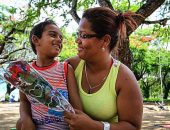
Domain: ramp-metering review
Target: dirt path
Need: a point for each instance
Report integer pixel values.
(9, 113)
(153, 118)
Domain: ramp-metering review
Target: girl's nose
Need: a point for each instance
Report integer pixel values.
(59, 38)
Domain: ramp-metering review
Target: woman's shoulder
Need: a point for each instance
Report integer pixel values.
(125, 76)
(73, 61)
(124, 70)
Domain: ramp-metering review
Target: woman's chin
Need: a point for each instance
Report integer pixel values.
(80, 55)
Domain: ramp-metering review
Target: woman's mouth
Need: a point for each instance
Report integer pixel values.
(80, 49)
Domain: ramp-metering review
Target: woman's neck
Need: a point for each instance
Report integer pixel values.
(99, 64)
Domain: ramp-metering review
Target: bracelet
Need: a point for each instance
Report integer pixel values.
(106, 125)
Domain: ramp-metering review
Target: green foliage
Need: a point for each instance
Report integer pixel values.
(163, 33)
(1, 38)
(149, 58)
(69, 47)
(144, 31)
(6, 11)
(167, 101)
(123, 5)
(6, 97)
(146, 67)
(85, 4)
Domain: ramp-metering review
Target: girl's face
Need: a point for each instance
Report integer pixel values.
(89, 45)
(50, 44)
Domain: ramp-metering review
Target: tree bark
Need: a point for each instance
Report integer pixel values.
(147, 9)
(73, 11)
(105, 3)
(166, 91)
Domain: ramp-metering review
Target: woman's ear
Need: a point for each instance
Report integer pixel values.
(35, 40)
(107, 40)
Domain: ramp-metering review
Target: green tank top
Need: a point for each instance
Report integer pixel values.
(100, 105)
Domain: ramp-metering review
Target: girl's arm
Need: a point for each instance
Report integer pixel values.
(25, 122)
(73, 92)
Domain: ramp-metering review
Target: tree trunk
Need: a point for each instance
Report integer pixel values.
(123, 53)
(146, 90)
(166, 91)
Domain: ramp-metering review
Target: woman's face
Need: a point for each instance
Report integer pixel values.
(89, 45)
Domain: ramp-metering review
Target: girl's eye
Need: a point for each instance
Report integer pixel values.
(52, 35)
(55, 35)
(61, 37)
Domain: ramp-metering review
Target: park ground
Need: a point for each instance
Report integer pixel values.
(154, 118)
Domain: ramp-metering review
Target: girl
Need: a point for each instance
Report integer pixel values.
(46, 43)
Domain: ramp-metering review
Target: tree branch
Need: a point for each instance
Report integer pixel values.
(146, 10)
(105, 3)
(128, 4)
(149, 7)
(7, 60)
(73, 11)
(7, 38)
(6, 56)
(2, 45)
(161, 21)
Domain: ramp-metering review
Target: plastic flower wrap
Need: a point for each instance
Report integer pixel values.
(21, 75)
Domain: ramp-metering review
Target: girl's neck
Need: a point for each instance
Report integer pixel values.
(44, 62)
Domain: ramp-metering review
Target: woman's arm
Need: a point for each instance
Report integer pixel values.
(73, 61)
(73, 92)
(129, 101)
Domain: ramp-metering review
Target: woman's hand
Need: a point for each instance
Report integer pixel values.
(81, 121)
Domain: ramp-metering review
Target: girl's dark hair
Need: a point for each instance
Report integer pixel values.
(38, 30)
(105, 21)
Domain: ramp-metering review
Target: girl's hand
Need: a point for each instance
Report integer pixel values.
(28, 124)
(80, 121)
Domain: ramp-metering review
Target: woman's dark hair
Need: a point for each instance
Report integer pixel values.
(38, 30)
(105, 21)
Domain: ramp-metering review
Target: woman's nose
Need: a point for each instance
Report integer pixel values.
(78, 41)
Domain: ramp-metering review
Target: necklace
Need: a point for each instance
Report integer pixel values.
(93, 87)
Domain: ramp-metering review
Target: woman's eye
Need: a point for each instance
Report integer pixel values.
(84, 36)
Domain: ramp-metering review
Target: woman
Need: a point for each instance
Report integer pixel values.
(108, 90)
